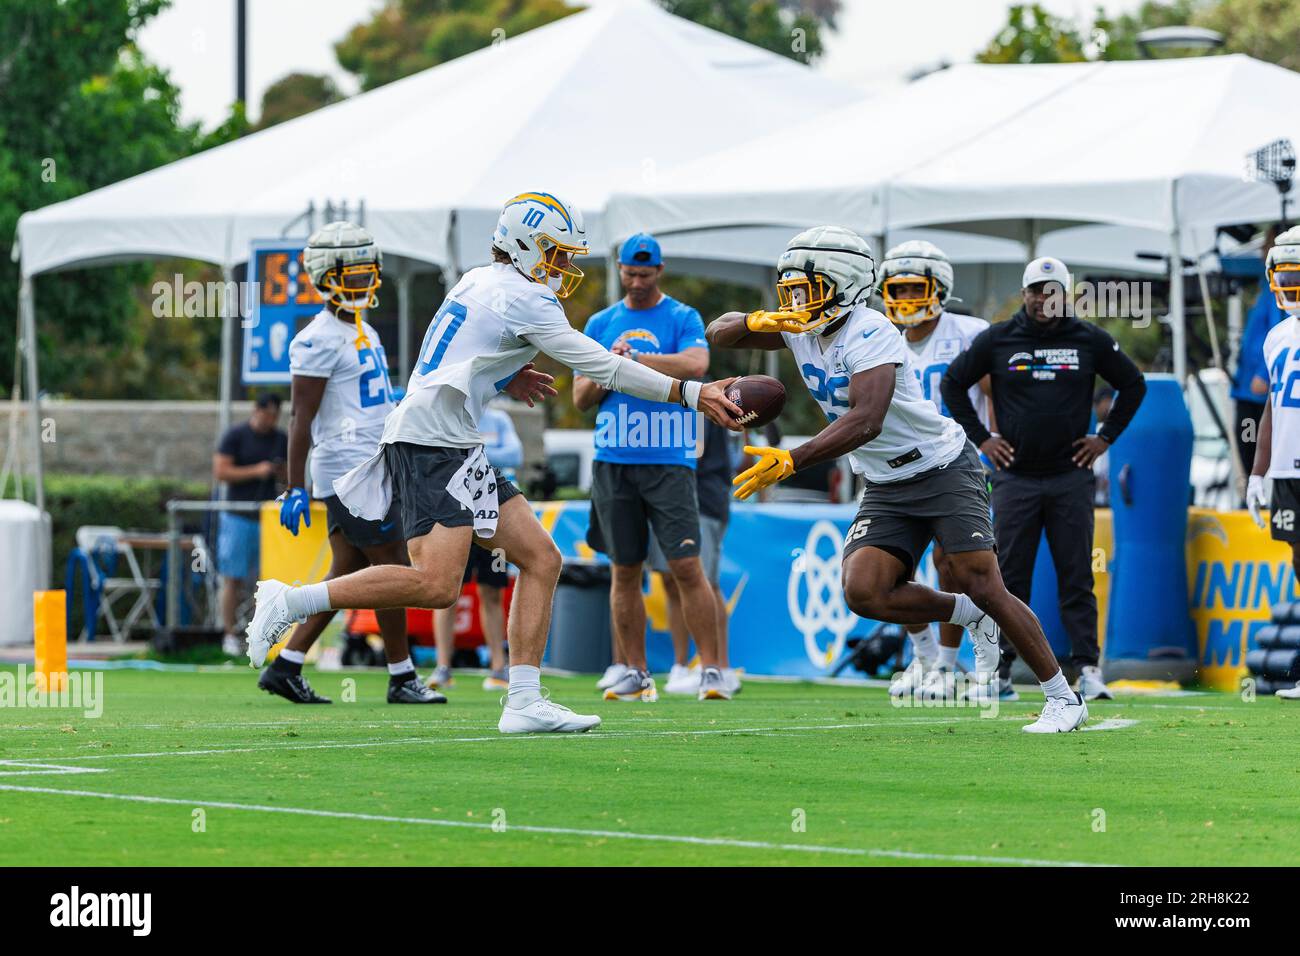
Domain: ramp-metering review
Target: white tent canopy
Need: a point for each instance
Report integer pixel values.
(599, 100)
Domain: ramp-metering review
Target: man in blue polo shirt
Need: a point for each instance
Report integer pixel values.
(643, 476)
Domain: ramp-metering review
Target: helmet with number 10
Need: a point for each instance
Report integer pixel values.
(541, 234)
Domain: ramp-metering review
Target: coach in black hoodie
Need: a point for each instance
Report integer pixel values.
(1042, 365)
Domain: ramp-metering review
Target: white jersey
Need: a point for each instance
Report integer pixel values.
(949, 338)
(494, 321)
(1282, 355)
(357, 398)
(914, 436)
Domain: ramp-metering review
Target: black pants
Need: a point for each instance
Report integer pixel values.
(1250, 412)
(1024, 506)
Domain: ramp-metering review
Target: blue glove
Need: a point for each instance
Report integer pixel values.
(295, 506)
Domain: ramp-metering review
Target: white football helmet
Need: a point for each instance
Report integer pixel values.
(1283, 267)
(541, 234)
(823, 273)
(345, 265)
(911, 264)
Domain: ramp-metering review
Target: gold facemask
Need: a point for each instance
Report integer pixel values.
(1284, 282)
(547, 270)
(814, 311)
(910, 309)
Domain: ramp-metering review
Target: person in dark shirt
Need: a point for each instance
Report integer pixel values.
(251, 459)
(1042, 364)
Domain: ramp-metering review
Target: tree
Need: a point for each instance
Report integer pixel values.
(1033, 35)
(79, 108)
(1265, 29)
(789, 27)
(296, 94)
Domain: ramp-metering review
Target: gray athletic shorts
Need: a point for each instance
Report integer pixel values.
(627, 501)
(948, 504)
(420, 474)
(360, 532)
(712, 531)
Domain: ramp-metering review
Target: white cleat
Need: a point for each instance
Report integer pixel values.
(1092, 686)
(1060, 715)
(984, 641)
(1288, 693)
(613, 674)
(271, 619)
(682, 680)
(731, 677)
(912, 678)
(544, 716)
(938, 684)
(712, 685)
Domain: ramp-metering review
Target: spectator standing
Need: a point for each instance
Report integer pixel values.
(643, 474)
(1043, 364)
(251, 460)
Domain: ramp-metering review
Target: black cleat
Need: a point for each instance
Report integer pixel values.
(412, 691)
(292, 687)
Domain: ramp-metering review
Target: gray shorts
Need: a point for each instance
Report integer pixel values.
(712, 531)
(360, 532)
(627, 501)
(948, 504)
(420, 474)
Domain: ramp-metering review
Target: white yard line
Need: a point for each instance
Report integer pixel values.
(562, 831)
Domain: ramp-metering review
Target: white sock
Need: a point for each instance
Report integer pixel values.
(293, 657)
(964, 611)
(401, 667)
(923, 643)
(948, 656)
(525, 685)
(1057, 686)
(307, 600)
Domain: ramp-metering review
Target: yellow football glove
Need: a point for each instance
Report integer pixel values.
(773, 465)
(776, 321)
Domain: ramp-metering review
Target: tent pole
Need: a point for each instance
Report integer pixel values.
(771, 360)
(613, 284)
(404, 325)
(228, 310)
(1177, 316)
(27, 312)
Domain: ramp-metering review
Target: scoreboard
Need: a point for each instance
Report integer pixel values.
(283, 298)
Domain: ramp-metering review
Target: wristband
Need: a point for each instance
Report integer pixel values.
(690, 394)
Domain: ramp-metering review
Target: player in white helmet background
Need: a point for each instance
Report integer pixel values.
(923, 478)
(916, 283)
(340, 397)
(431, 458)
(1278, 455)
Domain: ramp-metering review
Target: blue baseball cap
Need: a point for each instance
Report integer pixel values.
(641, 250)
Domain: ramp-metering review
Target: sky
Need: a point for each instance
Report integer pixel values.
(878, 44)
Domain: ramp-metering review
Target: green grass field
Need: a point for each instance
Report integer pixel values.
(1205, 779)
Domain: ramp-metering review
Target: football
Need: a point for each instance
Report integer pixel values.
(760, 397)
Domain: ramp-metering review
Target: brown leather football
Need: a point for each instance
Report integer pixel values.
(760, 397)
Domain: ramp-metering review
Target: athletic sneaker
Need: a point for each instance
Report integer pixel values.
(938, 684)
(271, 619)
(731, 677)
(613, 674)
(292, 687)
(1060, 715)
(1092, 686)
(411, 691)
(1288, 693)
(712, 686)
(682, 680)
(984, 640)
(544, 715)
(497, 680)
(232, 645)
(1002, 687)
(635, 685)
(912, 678)
(441, 679)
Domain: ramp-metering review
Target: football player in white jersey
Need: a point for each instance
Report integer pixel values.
(491, 324)
(916, 282)
(1278, 454)
(923, 478)
(341, 395)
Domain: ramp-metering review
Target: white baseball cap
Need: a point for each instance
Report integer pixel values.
(1045, 269)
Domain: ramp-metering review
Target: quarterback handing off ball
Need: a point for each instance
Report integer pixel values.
(761, 397)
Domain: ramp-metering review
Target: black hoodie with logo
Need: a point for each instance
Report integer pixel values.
(1042, 379)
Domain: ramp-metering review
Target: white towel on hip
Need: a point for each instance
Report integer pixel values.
(367, 490)
(475, 487)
